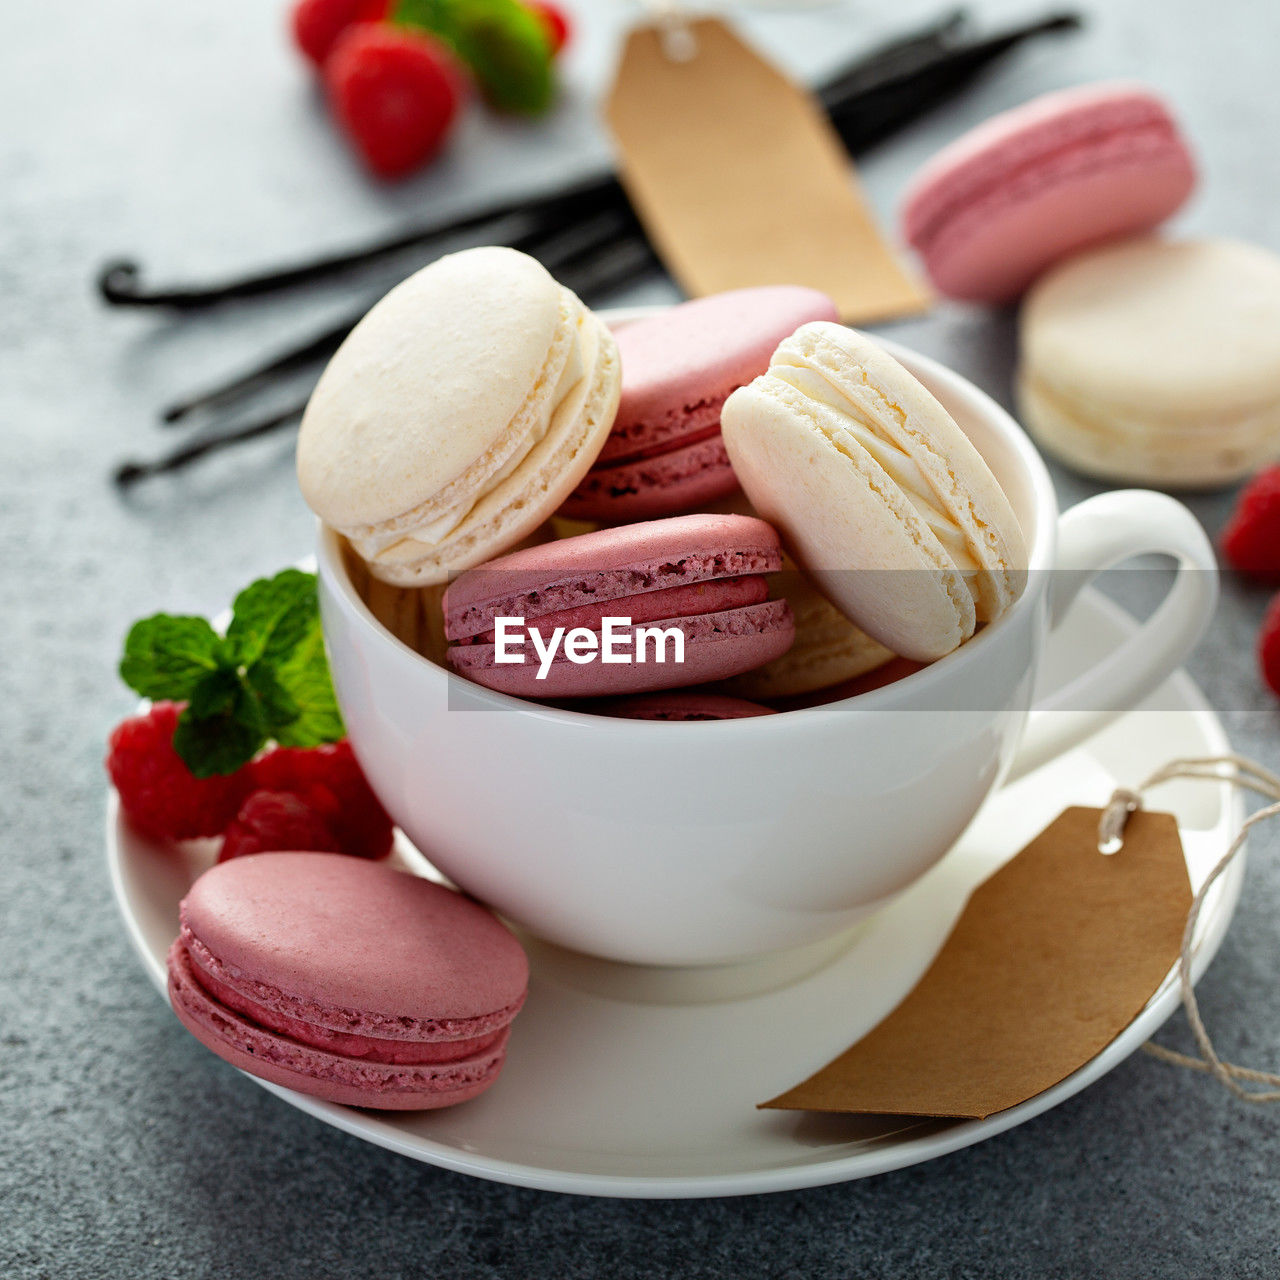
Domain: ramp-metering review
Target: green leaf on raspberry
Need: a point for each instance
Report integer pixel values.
(506, 47)
(271, 616)
(166, 655)
(215, 745)
(276, 705)
(267, 679)
(305, 676)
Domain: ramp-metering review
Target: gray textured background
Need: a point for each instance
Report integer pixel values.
(189, 135)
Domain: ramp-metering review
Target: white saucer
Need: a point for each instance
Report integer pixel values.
(634, 1082)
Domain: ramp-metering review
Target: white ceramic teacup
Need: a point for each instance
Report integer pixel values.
(702, 843)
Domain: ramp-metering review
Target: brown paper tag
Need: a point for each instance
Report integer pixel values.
(1052, 958)
(740, 179)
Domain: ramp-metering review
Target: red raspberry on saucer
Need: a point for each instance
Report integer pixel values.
(159, 794)
(277, 822)
(556, 22)
(330, 781)
(1269, 646)
(395, 93)
(318, 24)
(1251, 540)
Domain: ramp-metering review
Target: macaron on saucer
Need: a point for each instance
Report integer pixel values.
(346, 980)
(457, 416)
(1156, 361)
(1026, 188)
(664, 454)
(701, 574)
(878, 493)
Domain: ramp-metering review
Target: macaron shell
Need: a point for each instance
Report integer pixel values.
(998, 248)
(370, 448)
(1156, 361)
(681, 479)
(621, 561)
(514, 507)
(357, 946)
(1123, 452)
(716, 645)
(858, 537)
(352, 1082)
(677, 369)
(1001, 204)
(878, 493)
(700, 351)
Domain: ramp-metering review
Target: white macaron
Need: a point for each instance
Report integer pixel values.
(877, 492)
(458, 415)
(1156, 361)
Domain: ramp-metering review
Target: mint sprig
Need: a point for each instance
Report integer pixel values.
(266, 680)
(505, 46)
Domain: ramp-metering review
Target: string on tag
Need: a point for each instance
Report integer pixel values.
(679, 44)
(1236, 771)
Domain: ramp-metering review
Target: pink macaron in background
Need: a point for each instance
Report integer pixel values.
(700, 574)
(346, 979)
(664, 454)
(1000, 205)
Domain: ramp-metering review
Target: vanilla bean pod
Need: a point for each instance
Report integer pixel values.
(591, 274)
(120, 282)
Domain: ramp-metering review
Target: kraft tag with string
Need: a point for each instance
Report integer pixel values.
(739, 178)
(1052, 958)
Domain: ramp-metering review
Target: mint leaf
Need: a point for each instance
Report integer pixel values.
(271, 616)
(505, 46)
(268, 679)
(305, 676)
(275, 705)
(166, 655)
(216, 744)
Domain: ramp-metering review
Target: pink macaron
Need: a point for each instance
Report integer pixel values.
(700, 575)
(664, 454)
(346, 979)
(1000, 205)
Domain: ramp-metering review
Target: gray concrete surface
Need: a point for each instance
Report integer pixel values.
(188, 135)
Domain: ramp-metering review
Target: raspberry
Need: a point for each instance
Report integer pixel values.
(277, 822)
(159, 794)
(1269, 646)
(556, 22)
(318, 24)
(329, 779)
(1251, 540)
(395, 93)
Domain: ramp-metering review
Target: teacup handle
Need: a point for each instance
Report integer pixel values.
(1095, 535)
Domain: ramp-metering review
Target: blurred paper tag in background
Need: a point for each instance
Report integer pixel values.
(740, 179)
(1052, 958)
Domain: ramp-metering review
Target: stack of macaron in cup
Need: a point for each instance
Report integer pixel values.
(724, 506)
(1144, 358)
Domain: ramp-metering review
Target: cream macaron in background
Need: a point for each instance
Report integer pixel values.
(1156, 362)
(458, 415)
(877, 492)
